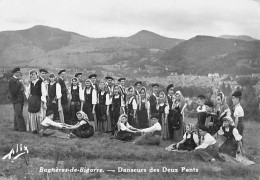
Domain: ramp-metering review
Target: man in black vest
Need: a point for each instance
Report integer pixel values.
(43, 77)
(16, 88)
(93, 78)
(64, 97)
(153, 100)
(79, 77)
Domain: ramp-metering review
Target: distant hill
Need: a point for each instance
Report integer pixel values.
(149, 40)
(144, 53)
(52, 47)
(205, 54)
(241, 37)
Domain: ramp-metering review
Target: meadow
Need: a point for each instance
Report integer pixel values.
(101, 152)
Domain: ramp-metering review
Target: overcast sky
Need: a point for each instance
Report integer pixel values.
(102, 18)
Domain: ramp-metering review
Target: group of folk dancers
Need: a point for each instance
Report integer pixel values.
(124, 112)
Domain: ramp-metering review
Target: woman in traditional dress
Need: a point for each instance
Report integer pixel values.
(189, 142)
(103, 108)
(171, 99)
(36, 94)
(89, 101)
(163, 109)
(125, 131)
(238, 112)
(233, 141)
(131, 106)
(222, 107)
(117, 106)
(75, 93)
(54, 96)
(83, 129)
(208, 150)
(178, 125)
(143, 109)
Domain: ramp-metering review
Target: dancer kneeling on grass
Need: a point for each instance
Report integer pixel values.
(125, 131)
(208, 150)
(48, 127)
(83, 129)
(189, 142)
(151, 135)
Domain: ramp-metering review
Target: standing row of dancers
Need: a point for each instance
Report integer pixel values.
(103, 103)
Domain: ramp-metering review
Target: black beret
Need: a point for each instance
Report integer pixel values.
(120, 79)
(43, 70)
(209, 103)
(138, 82)
(169, 87)
(50, 112)
(16, 70)
(201, 97)
(61, 71)
(204, 128)
(237, 94)
(74, 78)
(51, 75)
(155, 116)
(92, 75)
(155, 84)
(108, 77)
(78, 74)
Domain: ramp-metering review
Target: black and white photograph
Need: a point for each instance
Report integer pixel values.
(129, 89)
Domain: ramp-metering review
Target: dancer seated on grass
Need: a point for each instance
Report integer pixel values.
(125, 131)
(83, 128)
(48, 127)
(189, 142)
(232, 149)
(151, 135)
(208, 150)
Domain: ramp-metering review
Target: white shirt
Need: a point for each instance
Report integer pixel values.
(156, 127)
(133, 102)
(58, 90)
(195, 137)
(235, 132)
(238, 112)
(208, 140)
(124, 127)
(48, 122)
(201, 109)
(94, 95)
(43, 90)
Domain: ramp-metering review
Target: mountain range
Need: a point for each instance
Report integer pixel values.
(144, 52)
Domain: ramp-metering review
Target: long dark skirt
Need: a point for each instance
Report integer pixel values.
(54, 107)
(87, 108)
(84, 131)
(170, 125)
(115, 116)
(74, 108)
(102, 118)
(240, 127)
(131, 119)
(178, 133)
(125, 136)
(229, 147)
(187, 146)
(142, 119)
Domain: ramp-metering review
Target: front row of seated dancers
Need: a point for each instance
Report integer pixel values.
(200, 141)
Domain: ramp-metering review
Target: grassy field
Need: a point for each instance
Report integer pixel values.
(100, 152)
